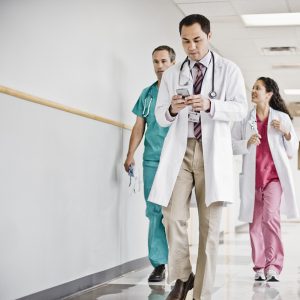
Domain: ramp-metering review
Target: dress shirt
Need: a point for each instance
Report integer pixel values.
(204, 61)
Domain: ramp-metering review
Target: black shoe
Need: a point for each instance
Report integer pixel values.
(181, 288)
(158, 274)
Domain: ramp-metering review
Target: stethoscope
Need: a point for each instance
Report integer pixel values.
(147, 104)
(212, 94)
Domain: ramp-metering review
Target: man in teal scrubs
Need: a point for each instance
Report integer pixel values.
(162, 57)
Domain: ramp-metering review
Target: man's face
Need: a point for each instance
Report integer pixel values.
(194, 41)
(161, 62)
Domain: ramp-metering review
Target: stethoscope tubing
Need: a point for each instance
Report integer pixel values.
(212, 94)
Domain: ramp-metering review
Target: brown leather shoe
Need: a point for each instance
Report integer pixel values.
(181, 288)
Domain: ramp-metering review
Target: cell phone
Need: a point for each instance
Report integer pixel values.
(183, 92)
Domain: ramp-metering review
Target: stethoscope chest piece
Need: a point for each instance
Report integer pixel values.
(212, 94)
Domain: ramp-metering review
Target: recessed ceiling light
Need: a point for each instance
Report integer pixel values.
(292, 91)
(284, 19)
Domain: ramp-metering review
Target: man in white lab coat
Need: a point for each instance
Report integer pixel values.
(197, 152)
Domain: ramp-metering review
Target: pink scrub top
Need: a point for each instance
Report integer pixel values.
(265, 168)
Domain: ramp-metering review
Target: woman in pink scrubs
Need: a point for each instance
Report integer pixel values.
(267, 140)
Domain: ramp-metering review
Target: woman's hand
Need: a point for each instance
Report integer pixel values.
(276, 124)
(254, 140)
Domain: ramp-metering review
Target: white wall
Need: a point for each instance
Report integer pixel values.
(65, 208)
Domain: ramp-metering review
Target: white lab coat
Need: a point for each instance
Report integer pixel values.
(230, 105)
(281, 151)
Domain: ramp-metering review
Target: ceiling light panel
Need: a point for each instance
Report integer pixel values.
(283, 19)
(292, 92)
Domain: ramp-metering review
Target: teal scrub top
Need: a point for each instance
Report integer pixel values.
(155, 134)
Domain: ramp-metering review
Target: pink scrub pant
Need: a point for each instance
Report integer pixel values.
(265, 231)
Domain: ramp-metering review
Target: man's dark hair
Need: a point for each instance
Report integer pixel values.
(195, 18)
(167, 48)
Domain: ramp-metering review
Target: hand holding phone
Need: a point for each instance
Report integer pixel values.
(183, 92)
(178, 101)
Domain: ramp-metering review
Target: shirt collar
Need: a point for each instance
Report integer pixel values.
(204, 60)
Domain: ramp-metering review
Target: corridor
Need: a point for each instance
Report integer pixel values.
(234, 279)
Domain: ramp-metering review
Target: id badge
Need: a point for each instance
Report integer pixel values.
(194, 116)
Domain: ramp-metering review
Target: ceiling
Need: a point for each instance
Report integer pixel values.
(243, 45)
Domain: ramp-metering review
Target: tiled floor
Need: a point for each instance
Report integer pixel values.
(234, 280)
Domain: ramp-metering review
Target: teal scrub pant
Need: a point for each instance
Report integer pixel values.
(157, 241)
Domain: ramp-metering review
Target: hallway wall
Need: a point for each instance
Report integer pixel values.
(65, 207)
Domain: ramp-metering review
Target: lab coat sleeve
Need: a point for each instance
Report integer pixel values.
(234, 107)
(291, 146)
(239, 143)
(163, 103)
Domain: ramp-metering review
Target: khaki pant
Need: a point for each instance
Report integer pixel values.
(191, 175)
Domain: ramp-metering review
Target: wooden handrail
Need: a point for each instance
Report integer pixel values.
(55, 105)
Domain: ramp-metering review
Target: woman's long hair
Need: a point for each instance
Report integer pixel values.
(276, 102)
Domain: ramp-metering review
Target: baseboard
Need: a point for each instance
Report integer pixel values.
(75, 286)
